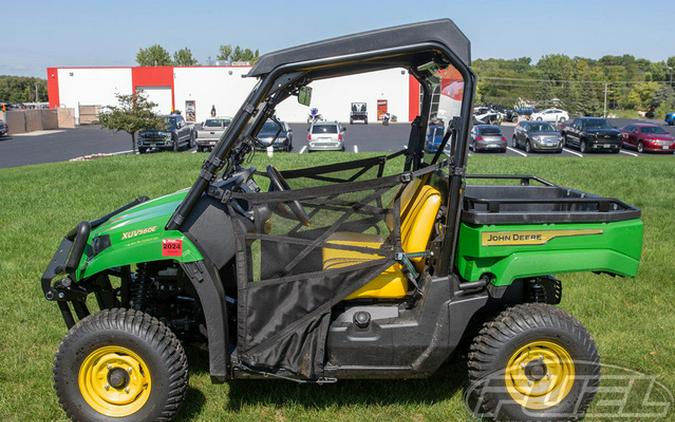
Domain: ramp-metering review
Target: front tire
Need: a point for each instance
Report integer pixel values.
(583, 147)
(640, 147)
(120, 365)
(533, 362)
(528, 146)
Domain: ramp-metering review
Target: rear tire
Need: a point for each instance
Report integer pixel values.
(143, 364)
(533, 346)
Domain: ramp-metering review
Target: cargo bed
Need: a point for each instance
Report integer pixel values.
(541, 202)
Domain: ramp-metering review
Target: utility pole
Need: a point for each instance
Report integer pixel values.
(36, 93)
(604, 104)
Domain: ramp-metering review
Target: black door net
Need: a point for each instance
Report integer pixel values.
(291, 274)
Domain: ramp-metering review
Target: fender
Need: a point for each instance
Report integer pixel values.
(212, 297)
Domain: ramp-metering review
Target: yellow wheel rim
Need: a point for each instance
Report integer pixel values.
(114, 381)
(539, 375)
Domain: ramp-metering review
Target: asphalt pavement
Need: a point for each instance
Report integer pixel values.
(62, 145)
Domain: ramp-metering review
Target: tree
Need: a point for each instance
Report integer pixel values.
(21, 89)
(237, 54)
(155, 55)
(224, 53)
(134, 113)
(183, 57)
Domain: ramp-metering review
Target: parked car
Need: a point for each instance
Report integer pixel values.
(647, 137)
(592, 134)
(175, 135)
(487, 138)
(358, 112)
(670, 118)
(511, 115)
(525, 113)
(487, 115)
(435, 133)
(210, 132)
(550, 115)
(279, 138)
(537, 136)
(325, 136)
(3, 128)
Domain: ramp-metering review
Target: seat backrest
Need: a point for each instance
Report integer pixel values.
(419, 220)
(419, 207)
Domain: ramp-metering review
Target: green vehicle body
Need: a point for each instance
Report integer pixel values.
(137, 235)
(614, 249)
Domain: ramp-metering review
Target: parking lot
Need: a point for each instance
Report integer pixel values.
(62, 145)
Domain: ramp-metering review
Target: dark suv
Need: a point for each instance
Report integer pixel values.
(592, 134)
(175, 135)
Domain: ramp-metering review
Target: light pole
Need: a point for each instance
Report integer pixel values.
(670, 71)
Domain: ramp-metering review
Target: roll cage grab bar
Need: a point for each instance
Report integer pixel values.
(281, 82)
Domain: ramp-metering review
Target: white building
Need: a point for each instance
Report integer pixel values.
(195, 90)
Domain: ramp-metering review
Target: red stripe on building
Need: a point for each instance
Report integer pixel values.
(155, 76)
(53, 87)
(413, 98)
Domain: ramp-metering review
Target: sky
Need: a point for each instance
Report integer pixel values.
(44, 33)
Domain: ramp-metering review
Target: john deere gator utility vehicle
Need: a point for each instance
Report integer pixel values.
(346, 270)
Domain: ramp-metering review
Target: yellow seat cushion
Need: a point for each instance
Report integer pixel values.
(391, 284)
(419, 206)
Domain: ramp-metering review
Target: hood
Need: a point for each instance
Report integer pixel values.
(137, 235)
(155, 132)
(546, 133)
(603, 131)
(657, 136)
(147, 217)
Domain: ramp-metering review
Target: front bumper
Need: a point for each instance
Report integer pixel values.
(604, 145)
(545, 145)
(58, 280)
(155, 143)
(667, 148)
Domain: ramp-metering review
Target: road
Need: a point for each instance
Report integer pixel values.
(53, 146)
(62, 145)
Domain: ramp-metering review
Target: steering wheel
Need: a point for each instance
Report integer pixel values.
(280, 184)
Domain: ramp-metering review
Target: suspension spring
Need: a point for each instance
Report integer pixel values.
(140, 292)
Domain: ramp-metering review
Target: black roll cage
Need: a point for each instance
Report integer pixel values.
(284, 81)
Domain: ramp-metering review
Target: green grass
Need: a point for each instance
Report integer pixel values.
(631, 319)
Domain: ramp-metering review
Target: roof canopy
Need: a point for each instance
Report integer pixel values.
(443, 32)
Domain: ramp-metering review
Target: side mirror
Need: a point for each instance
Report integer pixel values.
(305, 95)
